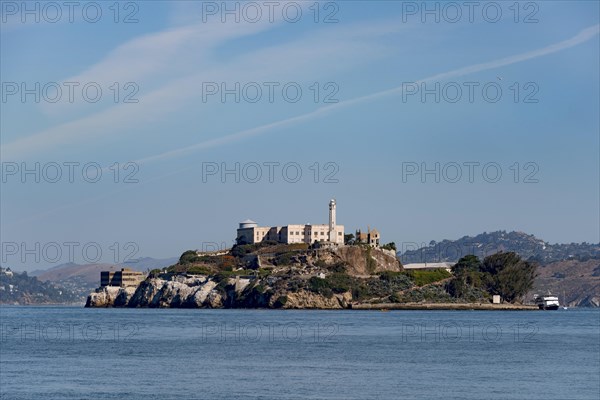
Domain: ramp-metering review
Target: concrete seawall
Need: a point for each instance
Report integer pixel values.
(442, 306)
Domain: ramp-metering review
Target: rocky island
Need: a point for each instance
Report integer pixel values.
(299, 276)
(314, 266)
(262, 276)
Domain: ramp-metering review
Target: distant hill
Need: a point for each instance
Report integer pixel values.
(22, 289)
(527, 246)
(82, 278)
(142, 264)
(576, 283)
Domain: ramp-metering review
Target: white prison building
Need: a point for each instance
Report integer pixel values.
(249, 232)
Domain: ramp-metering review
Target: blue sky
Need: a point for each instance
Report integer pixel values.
(544, 125)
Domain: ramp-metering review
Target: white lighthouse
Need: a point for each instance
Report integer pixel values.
(332, 236)
(249, 232)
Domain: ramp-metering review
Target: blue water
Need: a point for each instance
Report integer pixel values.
(77, 353)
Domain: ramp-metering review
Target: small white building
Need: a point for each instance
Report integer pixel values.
(444, 265)
(249, 232)
(7, 272)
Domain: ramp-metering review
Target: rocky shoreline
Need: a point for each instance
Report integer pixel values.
(205, 292)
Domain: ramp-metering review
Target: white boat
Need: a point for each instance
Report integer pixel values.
(547, 302)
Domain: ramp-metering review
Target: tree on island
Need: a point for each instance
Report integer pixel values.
(389, 246)
(508, 275)
(505, 274)
(467, 276)
(349, 239)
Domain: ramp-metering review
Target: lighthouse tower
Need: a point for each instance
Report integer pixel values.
(332, 237)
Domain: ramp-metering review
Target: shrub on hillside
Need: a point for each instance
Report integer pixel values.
(426, 277)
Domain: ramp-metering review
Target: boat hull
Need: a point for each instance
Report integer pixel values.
(548, 307)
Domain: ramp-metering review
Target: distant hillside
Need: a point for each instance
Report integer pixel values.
(527, 246)
(145, 263)
(576, 283)
(21, 289)
(83, 278)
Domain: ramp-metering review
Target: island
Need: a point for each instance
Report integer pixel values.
(317, 267)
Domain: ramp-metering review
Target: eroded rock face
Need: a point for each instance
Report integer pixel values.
(198, 298)
(356, 259)
(146, 292)
(172, 294)
(589, 301)
(103, 297)
(214, 300)
(124, 296)
(304, 299)
(198, 291)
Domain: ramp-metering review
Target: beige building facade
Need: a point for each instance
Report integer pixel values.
(123, 278)
(372, 237)
(249, 232)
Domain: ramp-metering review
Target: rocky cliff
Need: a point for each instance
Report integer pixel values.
(283, 277)
(204, 292)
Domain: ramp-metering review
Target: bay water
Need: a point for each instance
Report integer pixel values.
(79, 353)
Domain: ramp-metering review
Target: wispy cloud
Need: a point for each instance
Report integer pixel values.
(166, 99)
(348, 48)
(581, 37)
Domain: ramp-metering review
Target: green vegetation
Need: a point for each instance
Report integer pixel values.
(395, 277)
(349, 239)
(240, 250)
(297, 246)
(188, 257)
(505, 274)
(232, 274)
(508, 275)
(264, 272)
(471, 279)
(337, 283)
(320, 286)
(198, 270)
(430, 294)
(361, 289)
(284, 258)
(389, 246)
(426, 277)
(340, 266)
(280, 302)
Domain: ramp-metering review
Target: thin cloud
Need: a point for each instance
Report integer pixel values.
(581, 37)
(183, 87)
